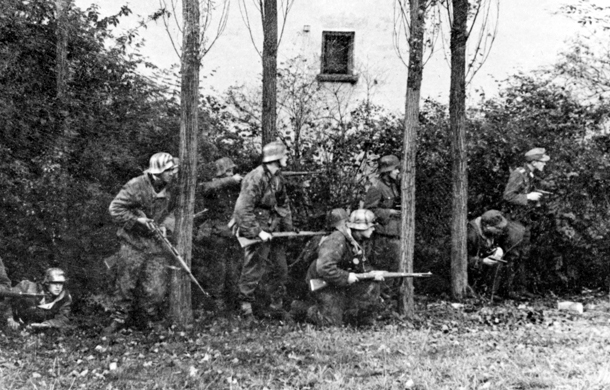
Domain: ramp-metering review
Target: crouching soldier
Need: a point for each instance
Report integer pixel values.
(345, 299)
(496, 249)
(50, 310)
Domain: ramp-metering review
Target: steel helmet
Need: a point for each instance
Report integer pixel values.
(54, 275)
(223, 165)
(388, 163)
(537, 154)
(361, 219)
(335, 217)
(493, 218)
(160, 162)
(273, 151)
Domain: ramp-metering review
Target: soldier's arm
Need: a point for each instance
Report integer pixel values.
(329, 255)
(61, 317)
(251, 192)
(513, 193)
(125, 208)
(371, 202)
(209, 187)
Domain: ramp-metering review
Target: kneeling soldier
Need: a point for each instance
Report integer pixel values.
(51, 310)
(346, 300)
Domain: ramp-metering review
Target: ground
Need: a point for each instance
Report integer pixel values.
(468, 345)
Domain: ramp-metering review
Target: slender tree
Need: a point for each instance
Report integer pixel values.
(457, 117)
(180, 293)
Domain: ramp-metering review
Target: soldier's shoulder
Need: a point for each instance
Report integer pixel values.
(255, 174)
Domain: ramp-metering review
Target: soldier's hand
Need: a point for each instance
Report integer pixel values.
(534, 196)
(14, 325)
(264, 236)
(378, 276)
(149, 223)
(42, 325)
(352, 278)
(489, 261)
(237, 177)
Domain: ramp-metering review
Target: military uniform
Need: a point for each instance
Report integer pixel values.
(341, 303)
(263, 204)
(514, 240)
(5, 285)
(142, 276)
(515, 194)
(52, 311)
(221, 253)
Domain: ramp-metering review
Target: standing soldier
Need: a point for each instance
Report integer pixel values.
(142, 276)
(518, 192)
(52, 310)
(383, 199)
(221, 252)
(491, 237)
(346, 299)
(263, 207)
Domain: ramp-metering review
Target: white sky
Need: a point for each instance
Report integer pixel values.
(530, 35)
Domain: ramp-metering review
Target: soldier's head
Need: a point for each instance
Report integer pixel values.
(493, 223)
(537, 158)
(54, 279)
(336, 218)
(362, 223)
(224, 167)
(163, 167)
(389, 165)
(275, 152)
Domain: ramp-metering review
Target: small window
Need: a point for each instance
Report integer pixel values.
(337, 57)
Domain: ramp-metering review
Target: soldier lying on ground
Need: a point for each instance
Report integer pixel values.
(497, 247)
(347, 300)
(51, 310)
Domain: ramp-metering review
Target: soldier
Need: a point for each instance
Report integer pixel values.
(263, 207)
(50, 311)
(518, 192)
(221, 252)
(346, 300)
(383, 199)
(5, 285)
(491, 236)
(142, 263)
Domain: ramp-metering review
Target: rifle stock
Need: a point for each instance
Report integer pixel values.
(244, 242)
(18, 294)
(318, 284)
(168, 245)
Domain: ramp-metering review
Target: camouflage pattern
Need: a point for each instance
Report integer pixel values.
(53, 311)
(519, 184)
(141, 270)
(341, 303)
(220, 259)
(263, 204)
(499, 278)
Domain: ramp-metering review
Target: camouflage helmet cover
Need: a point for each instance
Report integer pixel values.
(361, 219)
(54, 275)
(493, 218)
(223, 165)
(388, 163)
(336, 217)
(273, 151)
(160, 162)
(537, 154)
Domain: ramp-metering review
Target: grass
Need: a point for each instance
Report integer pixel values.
(472, 346)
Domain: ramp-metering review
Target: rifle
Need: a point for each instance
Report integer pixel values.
(168, 245)
(244, 242)
(18, 294)
(300, 173)
(318, 284)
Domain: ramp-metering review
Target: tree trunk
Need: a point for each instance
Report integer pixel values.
(411, 125)
(269, 71)
(61, 47)
(180, 289)
(457, 117)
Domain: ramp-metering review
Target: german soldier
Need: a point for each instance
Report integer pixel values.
(52, 310)
(263, 207)
(215, 237)
(492, 237)
(142, 263)
(346, 300)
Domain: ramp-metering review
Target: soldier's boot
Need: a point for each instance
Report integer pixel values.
(298, 310)
(247, 315)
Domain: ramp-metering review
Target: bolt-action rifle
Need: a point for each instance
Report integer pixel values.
(244, 242)
(18, 294)
(168, 246)
(301, 173)
(318, 284)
